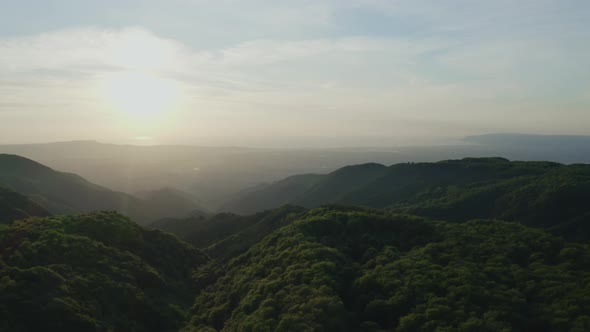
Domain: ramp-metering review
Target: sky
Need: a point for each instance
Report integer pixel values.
(235, 71)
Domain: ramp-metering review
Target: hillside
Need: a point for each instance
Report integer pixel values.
(272, 196)
(329, 269)
(96, 272)
(556, 201)
(363, 270)
(14, 206)
(176, 201)
(422, 254)
(460, 190)
(65, 193)
(310, 190)
(225, 235)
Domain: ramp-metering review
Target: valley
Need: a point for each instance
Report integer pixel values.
(364, 248)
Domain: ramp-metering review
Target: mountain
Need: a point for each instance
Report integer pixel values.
(14, 206)
(334, 187)
(173, 200)
(570, 142)
(225, 235)
(95, 272)
(376, 261)
(214, 175)
(211, 174)
(471, 188)
(415, 250)
(65, 193)
(555, 200)
(562, 148)
(310, 190)
(271, 196)
(341, 269)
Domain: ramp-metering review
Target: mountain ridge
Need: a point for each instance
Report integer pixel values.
(67, 193)
(448, 190)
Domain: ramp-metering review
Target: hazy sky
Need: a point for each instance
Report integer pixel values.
(174, 71)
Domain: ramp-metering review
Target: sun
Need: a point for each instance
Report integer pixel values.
(139, 95)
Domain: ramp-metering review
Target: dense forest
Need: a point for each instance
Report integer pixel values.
(461, 245)
(96, 272)
(454, 190)
(356, 270)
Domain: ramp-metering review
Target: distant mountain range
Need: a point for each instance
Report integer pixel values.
(65, 193)
(559, 148)
(212, 176)
(531, 140)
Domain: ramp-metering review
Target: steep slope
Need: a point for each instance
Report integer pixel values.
(14, 206)
(202, 232)
(333, 187)
(64, 193)
(96, 272)
(310, 190)
(556, 201)
(249, 236)
(272, 196)
(225, 235)
(172, 200)
(362, 270)
(411, 182)
(541, 194)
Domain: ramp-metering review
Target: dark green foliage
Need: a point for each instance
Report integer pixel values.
(543, 194)
(248, 236)
(338, 269)
(201, 231)
(228, 234)
(379, 186)
(310, 190)
(341, 182)
(96, 272)
(64, 193)
(335, 268)
(556, 200)
(14, 206)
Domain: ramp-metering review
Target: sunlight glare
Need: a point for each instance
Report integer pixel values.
(139, 95)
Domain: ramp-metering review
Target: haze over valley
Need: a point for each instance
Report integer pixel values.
(213, 175)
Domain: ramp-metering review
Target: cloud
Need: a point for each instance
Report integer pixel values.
(81, 54)
(267, 65)
(88, 49)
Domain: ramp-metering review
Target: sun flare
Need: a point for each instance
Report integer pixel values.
(139, 95)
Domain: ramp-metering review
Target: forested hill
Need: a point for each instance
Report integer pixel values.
(14, 206)
(340, 269)
(65, 193)
(327, 269)
(459, 190)
(310, 190)
(426, 261)
(227, 234)
(96, 272)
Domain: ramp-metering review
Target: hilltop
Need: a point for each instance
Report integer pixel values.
(460, 190)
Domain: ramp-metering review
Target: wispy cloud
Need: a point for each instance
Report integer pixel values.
(267, 65)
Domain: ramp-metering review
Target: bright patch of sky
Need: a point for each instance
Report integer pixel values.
(183, 69)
